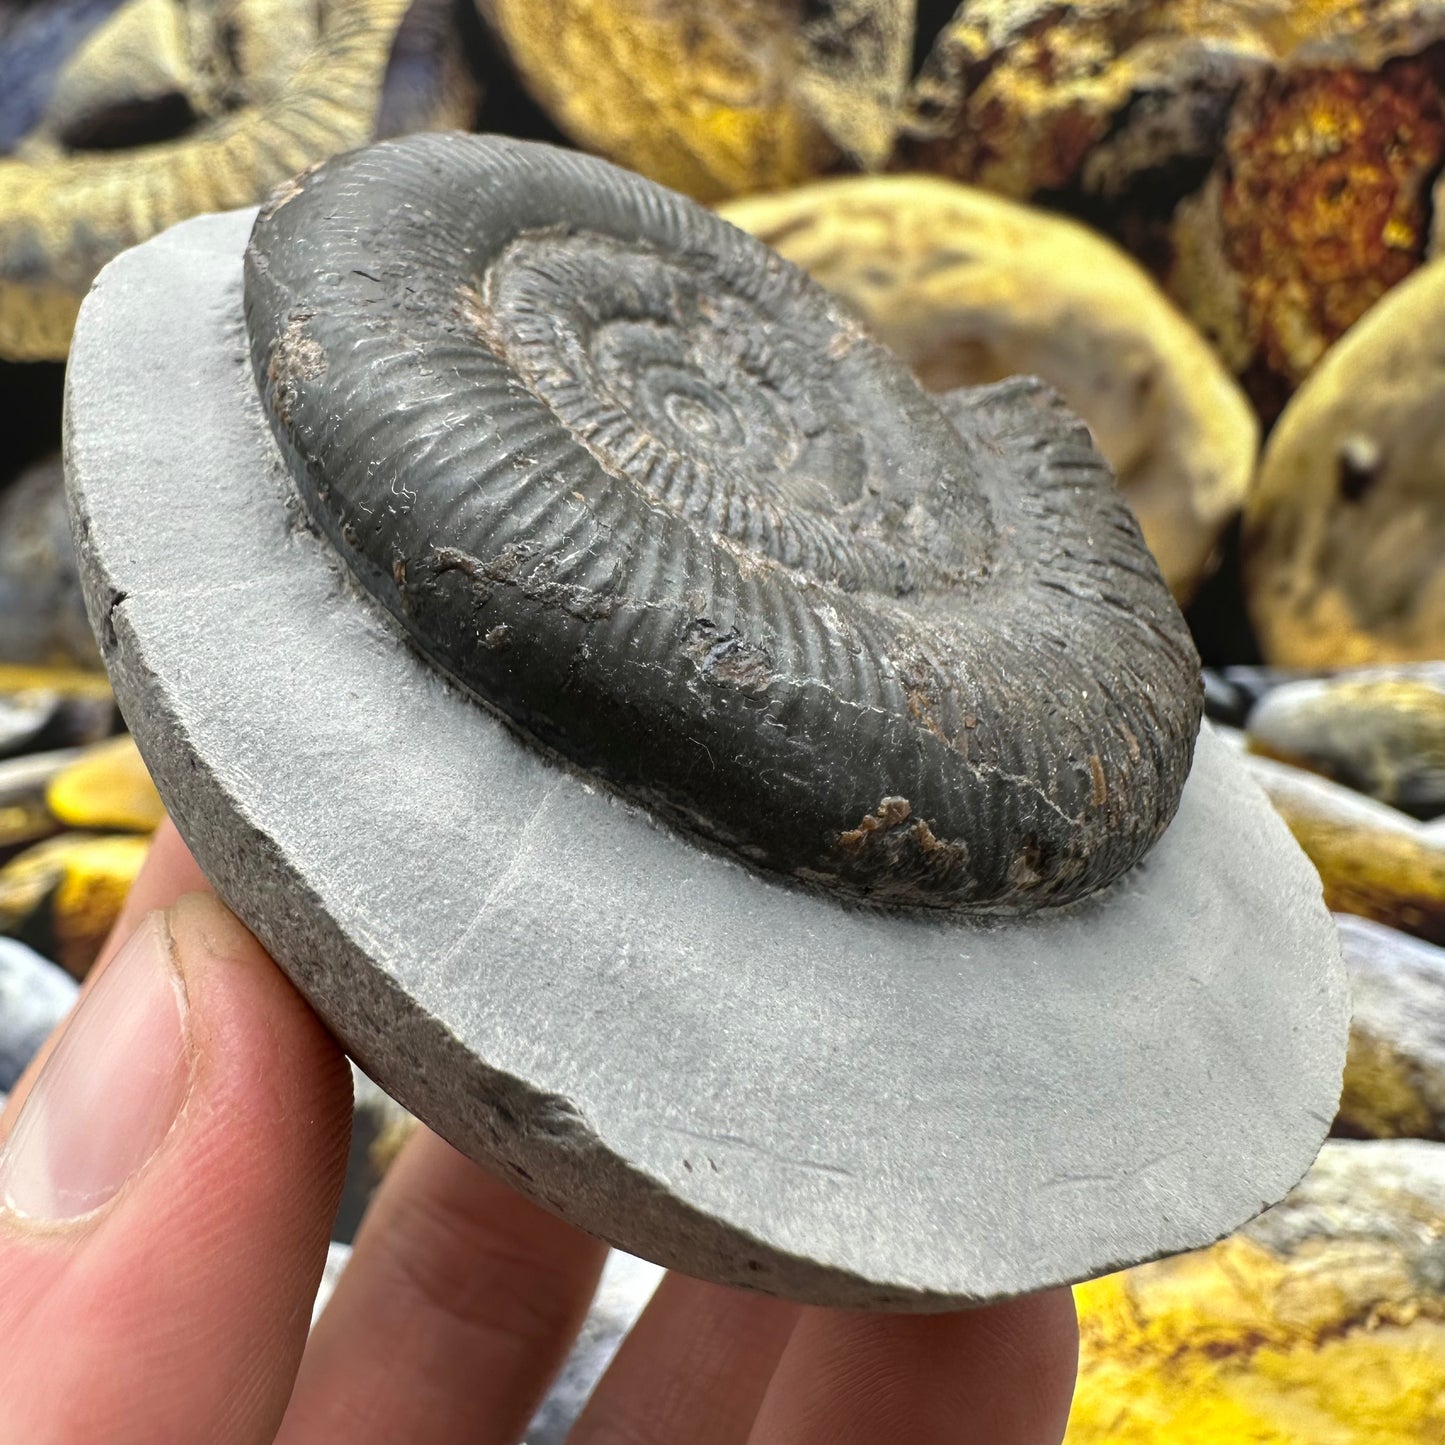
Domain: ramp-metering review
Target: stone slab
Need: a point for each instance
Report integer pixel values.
(704, 1066)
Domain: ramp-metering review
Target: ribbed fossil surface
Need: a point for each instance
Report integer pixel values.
(648, 491)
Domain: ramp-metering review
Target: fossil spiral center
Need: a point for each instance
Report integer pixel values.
(674, 375)
(686, 395)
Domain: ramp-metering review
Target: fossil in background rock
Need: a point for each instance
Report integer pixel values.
(970, 288)
(164, 110)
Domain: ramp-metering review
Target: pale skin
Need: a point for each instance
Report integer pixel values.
(177, 1310)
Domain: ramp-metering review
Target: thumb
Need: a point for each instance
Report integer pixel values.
(166, 1194)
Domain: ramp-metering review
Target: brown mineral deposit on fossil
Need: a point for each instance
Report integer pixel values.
(1322, 1321)
(1395, 1074)
(166, 110)
(970, 288)
(1344, 531)
(1271, 160)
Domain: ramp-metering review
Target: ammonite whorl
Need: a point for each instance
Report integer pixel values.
(648, 491)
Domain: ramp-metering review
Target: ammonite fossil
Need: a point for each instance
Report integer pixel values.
(120, 117)
(645, 489)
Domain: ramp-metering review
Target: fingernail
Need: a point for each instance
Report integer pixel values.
(109, 1092)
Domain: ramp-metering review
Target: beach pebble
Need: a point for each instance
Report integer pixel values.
(1344, 531)
(107, 789)
(63, 895)
(1321, 1323)
(1395, 1074)
(1373, 860)
(1379, 732)
(34, 996)
(42, 612)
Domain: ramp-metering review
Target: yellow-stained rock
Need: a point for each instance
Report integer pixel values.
(63, 895)
(1321, 1323)
(1373, 860)
(252, 90)
(25, 817)
(1395, 1074)
(1379, 732)
(706, 96)
(23, 823)
(65, 681)
(970, 288)
(108, 788)
(1344, 531)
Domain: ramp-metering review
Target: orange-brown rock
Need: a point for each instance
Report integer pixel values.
(1273, 159)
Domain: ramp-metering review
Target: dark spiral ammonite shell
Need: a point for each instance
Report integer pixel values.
(648, 491)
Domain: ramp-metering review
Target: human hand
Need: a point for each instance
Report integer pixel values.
(167, 1186)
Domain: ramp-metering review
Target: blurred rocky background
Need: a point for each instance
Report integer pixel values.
(1212, 224)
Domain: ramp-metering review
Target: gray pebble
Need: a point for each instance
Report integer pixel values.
(35, 995)
(338, 1256)
(626, 1286)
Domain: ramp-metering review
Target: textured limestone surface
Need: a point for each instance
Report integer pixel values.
(702, 1065)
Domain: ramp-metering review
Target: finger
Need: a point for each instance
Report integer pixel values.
(1003, 1375)
(459, 1287)
(168, 873)
(695, 1367)
(167, 1191)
